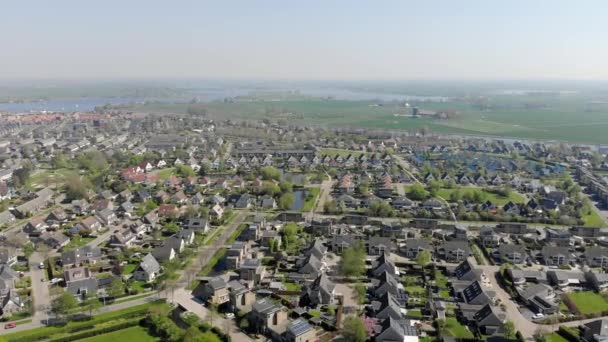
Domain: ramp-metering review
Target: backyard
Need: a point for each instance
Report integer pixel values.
(455, 329)
(588, 302)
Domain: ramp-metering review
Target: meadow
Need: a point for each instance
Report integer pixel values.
(570, 118)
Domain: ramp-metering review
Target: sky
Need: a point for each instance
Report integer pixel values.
(309, 39)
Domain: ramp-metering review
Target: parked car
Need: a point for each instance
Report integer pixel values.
(538, 316)
(41, 266)
(10, 325)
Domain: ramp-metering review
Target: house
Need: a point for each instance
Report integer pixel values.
(35, 226)
(91, 223)
(556, 256)
(311, 266)
(539, 297)
(566, 278)
(213, 291)
(124, 239)
(147, 270)
(490, 320)
(106, 216)
(241, 297)
(377, 245)
(252, 270)
(187, 235)
(415, 246)
(167, 210)
(474, 294)
(6, 217)
(432, 204)
(300, 330)
(8, 256)
(488, 237)
(596, 256)
(397, 330)
(383, 264)
(56, 217)
(268, 318)
(82, 255)
(268, 202)
(400, 203)
(164, 253)
(80, 207)
(54, 239)
(320, 292)
(595, 331)
(558, 237)
(454, 251)
(216, 212)
(513, 254)
(80, 282)
(197, 224)
(387, 307)
(585, 232)
(341, 242)
(126, 209)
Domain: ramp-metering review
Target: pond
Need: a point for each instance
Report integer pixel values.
(299, 199)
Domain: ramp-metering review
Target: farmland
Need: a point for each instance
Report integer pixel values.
(571, 118)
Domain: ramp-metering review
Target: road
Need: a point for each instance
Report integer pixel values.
(324, 195)
(407, 167)
(40, 287)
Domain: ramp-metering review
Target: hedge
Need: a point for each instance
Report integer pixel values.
(95, 332)
(567, 334)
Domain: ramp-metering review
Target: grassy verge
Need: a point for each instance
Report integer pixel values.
(593, 219)
(98, 321)
(132, 334)
(213, 261)
(457, 330)
(588, 302)
(235, 235)
(311, 197)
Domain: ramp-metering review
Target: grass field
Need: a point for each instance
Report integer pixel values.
(493, 197)
(589, 302)
(555, 337)
(457, 330)
(566, 117)
(593, 219)
(165, 173)
(133, 334)
(311, 197)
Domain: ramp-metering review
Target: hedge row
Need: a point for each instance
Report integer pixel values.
(100, 331)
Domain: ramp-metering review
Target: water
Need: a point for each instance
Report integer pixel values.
(300, 198)
(82, 104)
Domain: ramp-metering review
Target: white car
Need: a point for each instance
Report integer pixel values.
(538, 316)
(229, 315)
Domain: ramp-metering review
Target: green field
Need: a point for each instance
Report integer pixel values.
(555, 337)
(455, 329)
(593, 220)
(572, 117)
(493, 197)
(311, 197)
(133, 334)
(589, 302)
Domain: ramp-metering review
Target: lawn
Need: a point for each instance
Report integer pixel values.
(99, 320)
(441, 280)
(165, 173)
(493, 197)
(414, 314)
(593, 219)
(455, 329)
(444, 294)
(311, 197)
(132, 334)
(415, 290)
(128, 269)
(334, 152)
(293, 287)
(78, 241)
(555, 337)
(588, 302)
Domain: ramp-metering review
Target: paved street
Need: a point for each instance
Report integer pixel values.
(40, 287)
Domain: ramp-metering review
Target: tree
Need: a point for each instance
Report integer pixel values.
(172, 228)
(286, 200)
(354, 330)
(509, 329)
(270, 189)
(289, 232)
(360, 292)
(184, 171)
(270, 173)
(63, 304)
(417, 193)
(285, 186)
(92, 305)
(423, 258)
(75, 187)
(352, 263)
(116, 288)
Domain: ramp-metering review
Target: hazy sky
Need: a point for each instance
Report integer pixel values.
(306, 39)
